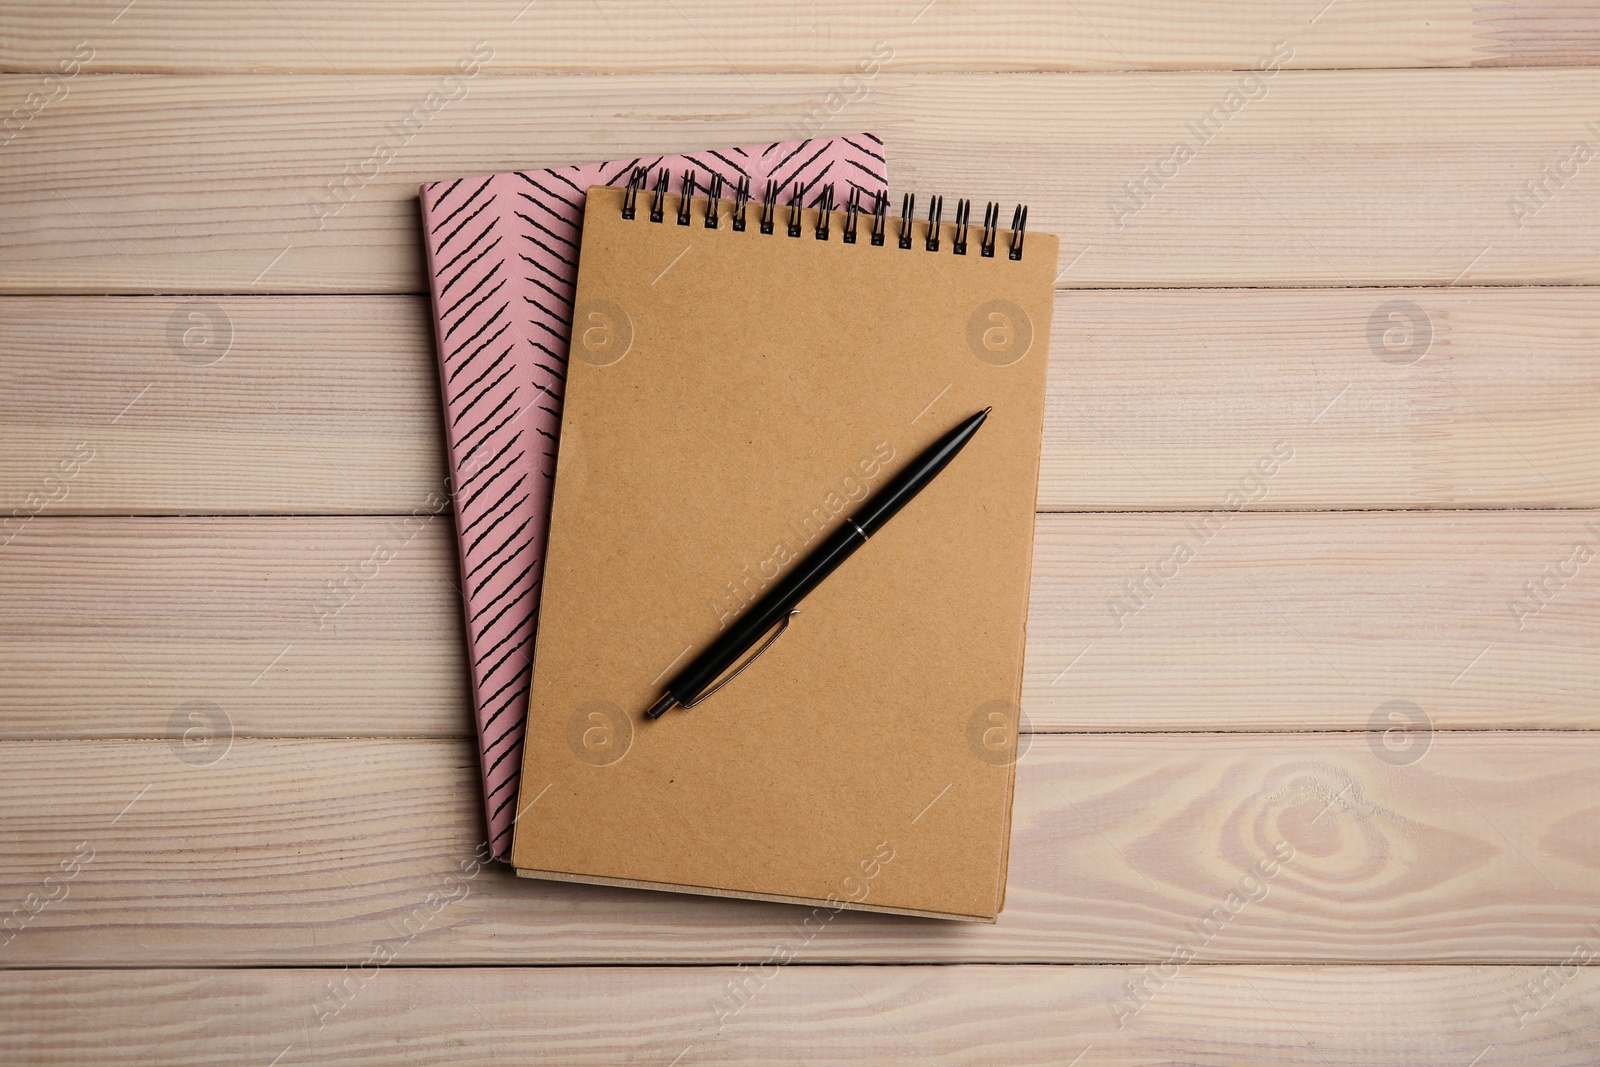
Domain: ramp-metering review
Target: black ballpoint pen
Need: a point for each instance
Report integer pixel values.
(691, 683)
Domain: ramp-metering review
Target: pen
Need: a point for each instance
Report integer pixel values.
(693, 683)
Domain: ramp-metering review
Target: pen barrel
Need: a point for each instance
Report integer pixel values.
(899, 491)
(778, 601)
(765, 614)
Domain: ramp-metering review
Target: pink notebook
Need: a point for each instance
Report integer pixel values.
(502, 262)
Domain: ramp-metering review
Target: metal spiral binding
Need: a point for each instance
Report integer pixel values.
(854, 207)
(796, 205)
(714, 202)
(660, 197)
(630, 198)
(741, 198)
(963, 218)
(1019, 223)
(935, 216)
(769, 206)
(687, 202)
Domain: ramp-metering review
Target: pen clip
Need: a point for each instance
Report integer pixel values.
(784, 625)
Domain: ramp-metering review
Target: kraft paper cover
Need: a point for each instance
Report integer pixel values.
(731, 398)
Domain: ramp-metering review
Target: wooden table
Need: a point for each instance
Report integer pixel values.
(1318, 788)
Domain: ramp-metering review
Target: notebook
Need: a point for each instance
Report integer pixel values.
(734, 394)
(502, 258)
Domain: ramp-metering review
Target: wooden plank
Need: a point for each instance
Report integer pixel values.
(566, 36)
(1385, 398)
(1265, 1015)
(1159, 399)
(302, 852)
(206, 628)
(1277, 622)
(1309, 178)
(237, 405)
(1288, 622)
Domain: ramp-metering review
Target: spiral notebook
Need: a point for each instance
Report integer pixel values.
(502, 259)
(745, 373)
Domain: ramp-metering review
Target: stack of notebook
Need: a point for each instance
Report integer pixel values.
(748, 367)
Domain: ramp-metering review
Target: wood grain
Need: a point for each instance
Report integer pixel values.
(235, 405)
(1279, 622)
(1443, 397)
(565, 36)
(1339, 178)
(1267, 1015)
(1158, 399)
(141, 622)
(304, 852)
(1288, 622)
